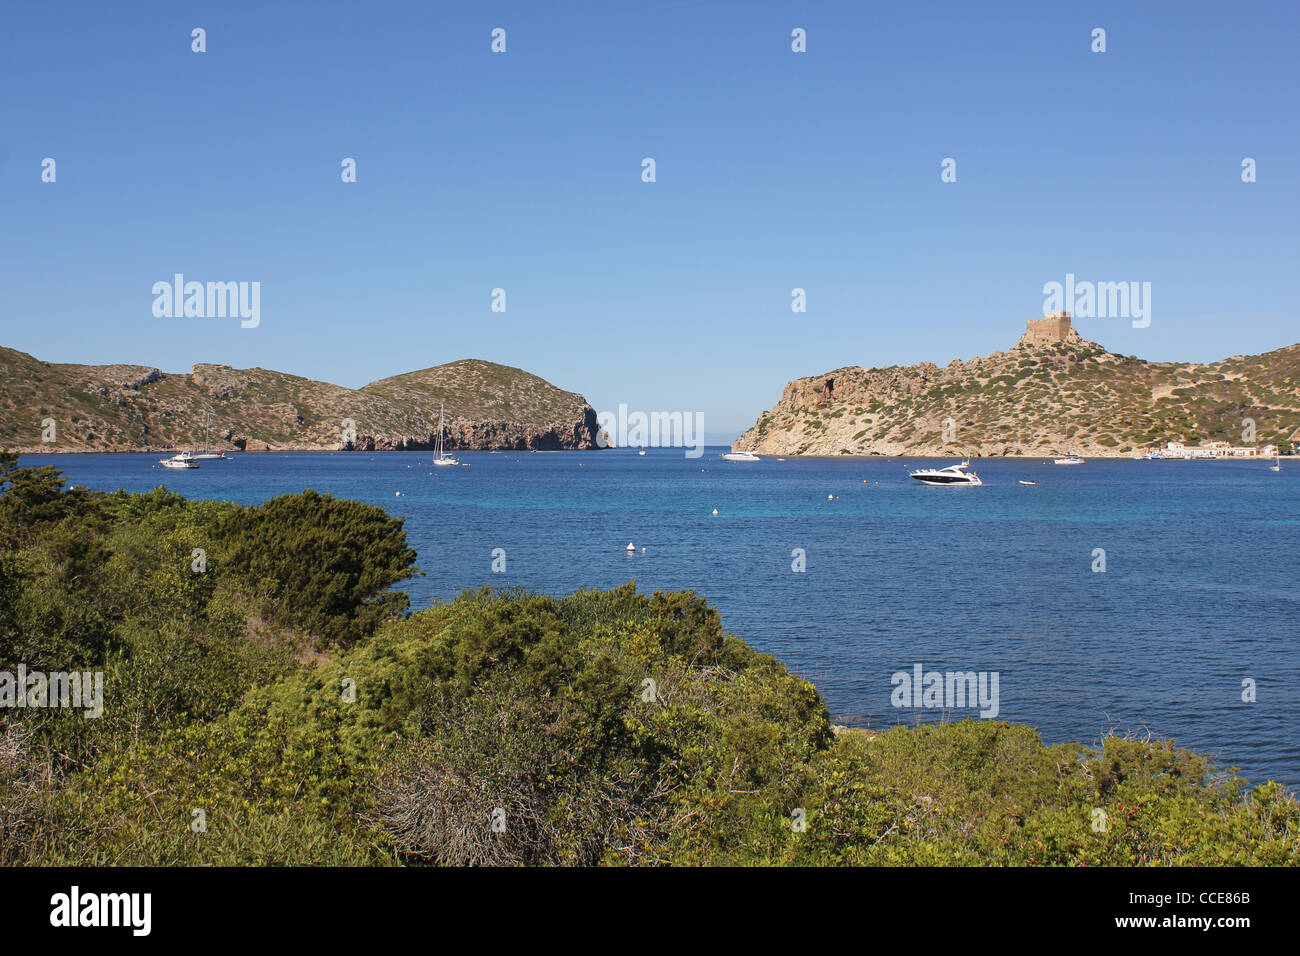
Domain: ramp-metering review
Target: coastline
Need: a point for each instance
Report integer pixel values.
(319, 449)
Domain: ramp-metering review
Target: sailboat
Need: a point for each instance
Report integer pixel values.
(1278, 465)
(443, 458)
(207, 454)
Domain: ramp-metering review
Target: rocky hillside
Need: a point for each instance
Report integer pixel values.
(1039, 398)
(137, 408)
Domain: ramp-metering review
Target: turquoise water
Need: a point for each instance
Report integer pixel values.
(1199, 591)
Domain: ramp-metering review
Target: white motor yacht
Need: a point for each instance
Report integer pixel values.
(740, 456)
(952, 475)
(1069, 460)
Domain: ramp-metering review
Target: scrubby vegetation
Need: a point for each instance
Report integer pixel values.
(1033, 399)
(118, 407)
(275, 703)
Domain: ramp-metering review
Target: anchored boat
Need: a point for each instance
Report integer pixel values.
(206, 453)
(443, 458)
(952, 475)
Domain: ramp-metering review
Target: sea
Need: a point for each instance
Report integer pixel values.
(1133, 597)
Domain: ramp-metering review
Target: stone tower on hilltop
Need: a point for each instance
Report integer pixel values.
(1049, 331)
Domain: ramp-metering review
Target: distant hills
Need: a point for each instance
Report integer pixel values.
(138, 408)
(1052, 394)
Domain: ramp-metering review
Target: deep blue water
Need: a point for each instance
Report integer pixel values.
(1200, 589)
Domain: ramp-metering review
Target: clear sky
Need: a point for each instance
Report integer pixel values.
(522, 171)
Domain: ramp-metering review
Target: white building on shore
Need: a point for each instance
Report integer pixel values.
(1214, 449)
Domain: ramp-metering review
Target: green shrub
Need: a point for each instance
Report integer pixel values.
(318, 563)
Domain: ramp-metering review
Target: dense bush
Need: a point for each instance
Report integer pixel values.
(318, 563)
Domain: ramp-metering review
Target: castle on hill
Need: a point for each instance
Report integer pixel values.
(1050, 330)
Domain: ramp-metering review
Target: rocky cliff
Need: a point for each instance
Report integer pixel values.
(137, 408)
(1054, 393)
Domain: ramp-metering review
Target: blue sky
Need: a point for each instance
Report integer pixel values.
(522, 171)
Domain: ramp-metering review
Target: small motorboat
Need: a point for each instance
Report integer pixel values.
(952, 475)
(740, 456)
(1028, 482)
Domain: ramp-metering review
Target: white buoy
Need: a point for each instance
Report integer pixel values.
(631, 546)
(715, 511)
(643, 550)
(397, 494)
(829, 497)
